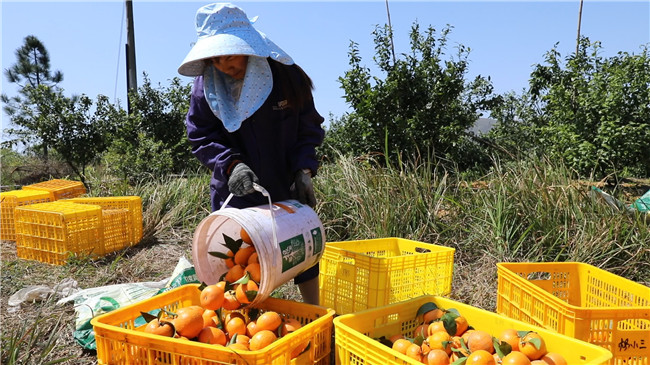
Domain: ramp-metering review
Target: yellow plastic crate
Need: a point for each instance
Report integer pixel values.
(119, 340)
(356, 275)
(51, 232)
(59, 188)
(355, 333)
(581, 301)
(115, 229)
(131, 203)
(9, 200)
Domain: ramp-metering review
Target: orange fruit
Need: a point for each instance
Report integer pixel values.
(234, 273)
(461, 325)
(436, 326)
(401, 345)
(245, 237)
(432, 315)
(213, 336)
(299, 349)
(240, 291)
(421, 330)
(230, 301)
(189, 321)
(553, 358)
(251, 329)
(253, 259)
(237, 346)
(530, 349)
(289, 325)
(437, 357)
(243, 339)
(254, 270)
(236, 325)
(538, 362)
(480, 340)
(480, 357)
(210, 318)
(212, 297)
(511, 337)
(269, 321)
(262, 339)
(232, 315)
(515, 358)
(230, 262)
(455, 344)
(156, 327)
(242, 255)
(439, 341)
(395, 337)
(414, 351)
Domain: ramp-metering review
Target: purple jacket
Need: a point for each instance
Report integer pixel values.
(274, 142)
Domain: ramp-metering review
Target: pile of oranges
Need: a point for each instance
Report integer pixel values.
(222, 317)
(445, 337)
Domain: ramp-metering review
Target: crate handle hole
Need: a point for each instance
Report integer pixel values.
(539, 275)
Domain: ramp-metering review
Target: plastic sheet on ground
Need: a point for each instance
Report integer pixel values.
(642, 204)
(92, 302)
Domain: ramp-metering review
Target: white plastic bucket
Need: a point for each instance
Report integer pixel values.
(288, 236)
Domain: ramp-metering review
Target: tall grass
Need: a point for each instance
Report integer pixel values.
(524, 211)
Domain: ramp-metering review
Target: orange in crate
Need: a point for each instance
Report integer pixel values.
(121, 340)
(52, 232)
(580, 301)
(9, 200)
(59, 188)
(356, 333)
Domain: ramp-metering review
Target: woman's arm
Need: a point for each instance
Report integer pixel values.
(210, 142)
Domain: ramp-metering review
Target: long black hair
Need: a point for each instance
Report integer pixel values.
(296, 85)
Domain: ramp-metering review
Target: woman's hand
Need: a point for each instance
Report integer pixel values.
(305, 187)
(241, 180)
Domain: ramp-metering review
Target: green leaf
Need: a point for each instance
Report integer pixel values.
(502, 349)
(149, 317)
(244, 279)
(384, 341)
(460, 361)
(426, 307)
(218, 254)
(233, 339)
(418, 340)
(251, 295)
(449, 320)
(232, 244)
(202, 286)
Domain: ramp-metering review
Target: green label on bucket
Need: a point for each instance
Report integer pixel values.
(317, 236)
(293, 252)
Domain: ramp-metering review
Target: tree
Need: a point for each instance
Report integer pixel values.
(31, 71)
(422, 103)
(589, 111)
(67, 125)
(32, 66)
(152, 141)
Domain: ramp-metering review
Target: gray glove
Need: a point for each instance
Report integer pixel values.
(305, 188)
(241, 180)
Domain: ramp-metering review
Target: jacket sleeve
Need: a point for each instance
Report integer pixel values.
(310, 136)
(210, 141)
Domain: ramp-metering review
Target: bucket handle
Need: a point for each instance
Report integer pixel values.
(259, 188)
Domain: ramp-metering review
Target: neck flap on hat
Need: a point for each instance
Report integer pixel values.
(258, 83)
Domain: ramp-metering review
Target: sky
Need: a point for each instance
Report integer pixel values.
(86, 40)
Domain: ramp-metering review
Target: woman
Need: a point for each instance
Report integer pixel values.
(251, 117)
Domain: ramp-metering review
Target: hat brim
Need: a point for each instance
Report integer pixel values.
(221, 45)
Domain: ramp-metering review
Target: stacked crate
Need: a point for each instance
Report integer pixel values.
(9, 200)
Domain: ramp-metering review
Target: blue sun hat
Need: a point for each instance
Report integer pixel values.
(224, 29)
